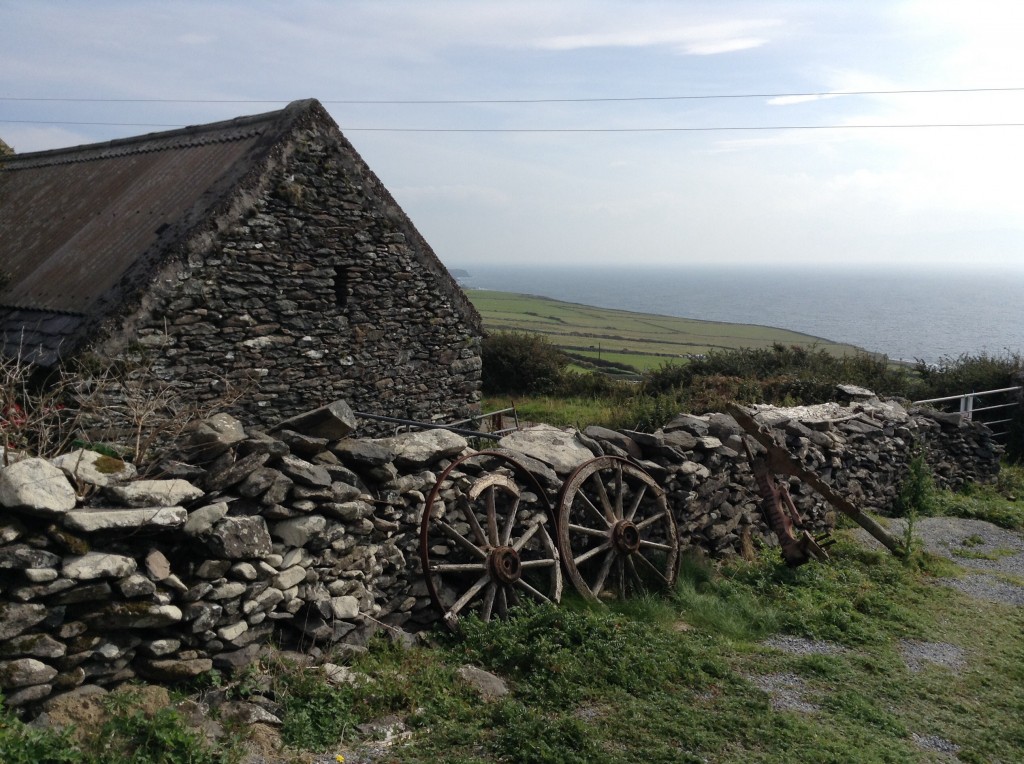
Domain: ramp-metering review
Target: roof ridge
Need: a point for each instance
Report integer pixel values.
(224, 131)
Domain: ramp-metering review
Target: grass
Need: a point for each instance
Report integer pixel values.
(643, 341)
(999, 503)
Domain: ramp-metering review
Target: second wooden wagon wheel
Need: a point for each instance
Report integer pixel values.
(615, 530)
(485, 539)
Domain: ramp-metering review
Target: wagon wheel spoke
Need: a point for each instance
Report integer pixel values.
(458, 567)
(462, 601)
(592, 553)
(488, 606)
(588, 531)
(648, 522)
(597, 514)
(602, 574)
(506, 533)
(602, 495)
(483, 542)
(618, 491)
(555, 558)
(635, 505)
(535, 564)
(492, 517)
(655, 545)
(467, 510)
(461, 540)
(521, 542)
(650, 568)
(533, 592)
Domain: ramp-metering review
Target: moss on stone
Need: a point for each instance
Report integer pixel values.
(108, 465)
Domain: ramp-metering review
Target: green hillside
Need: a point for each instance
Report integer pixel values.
(640, 340)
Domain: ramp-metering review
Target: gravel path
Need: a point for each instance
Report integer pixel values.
(993, 556)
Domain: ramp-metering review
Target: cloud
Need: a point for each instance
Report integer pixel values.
(688, 39)
(724, 46)
(792, 99)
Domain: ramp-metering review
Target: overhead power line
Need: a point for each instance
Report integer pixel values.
(563, 129)
(457, 101)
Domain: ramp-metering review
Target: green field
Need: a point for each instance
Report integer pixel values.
(640, 340)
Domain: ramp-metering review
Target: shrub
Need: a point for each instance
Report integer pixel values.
(516, 362)
(967, 373)
(917, 491)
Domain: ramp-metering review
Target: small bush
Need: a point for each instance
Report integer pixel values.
(917, 491)
(515, 362)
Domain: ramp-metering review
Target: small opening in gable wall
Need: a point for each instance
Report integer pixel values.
(340, 286)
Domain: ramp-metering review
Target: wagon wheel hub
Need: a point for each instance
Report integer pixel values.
(505, 564)
(626, 537)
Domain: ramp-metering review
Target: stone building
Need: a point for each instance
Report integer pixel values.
(261, 248)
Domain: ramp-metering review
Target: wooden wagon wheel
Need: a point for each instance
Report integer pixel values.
(615, 531)
(486, 540)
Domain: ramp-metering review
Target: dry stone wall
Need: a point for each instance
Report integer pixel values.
(310, 534)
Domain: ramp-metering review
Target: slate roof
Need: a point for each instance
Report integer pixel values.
(84, 228)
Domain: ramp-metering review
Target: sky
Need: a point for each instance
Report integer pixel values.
(587, 132)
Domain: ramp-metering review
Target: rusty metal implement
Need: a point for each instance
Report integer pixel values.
(778, 506)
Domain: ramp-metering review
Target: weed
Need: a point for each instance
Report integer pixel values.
(316, 714)
(136, 738)
(917, 491)
(21, 744)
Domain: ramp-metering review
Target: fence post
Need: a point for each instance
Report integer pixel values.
(967, 407)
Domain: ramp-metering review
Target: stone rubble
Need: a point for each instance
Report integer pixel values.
(313, 539)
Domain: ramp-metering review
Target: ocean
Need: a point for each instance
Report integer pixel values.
(908, 315)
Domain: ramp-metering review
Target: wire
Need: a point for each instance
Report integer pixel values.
(565, 129)
(457, 101)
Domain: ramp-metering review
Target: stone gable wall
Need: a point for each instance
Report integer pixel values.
(311, 536)
(313, 286)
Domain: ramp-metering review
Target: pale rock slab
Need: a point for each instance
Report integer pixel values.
(37, 486)
(94, 468)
